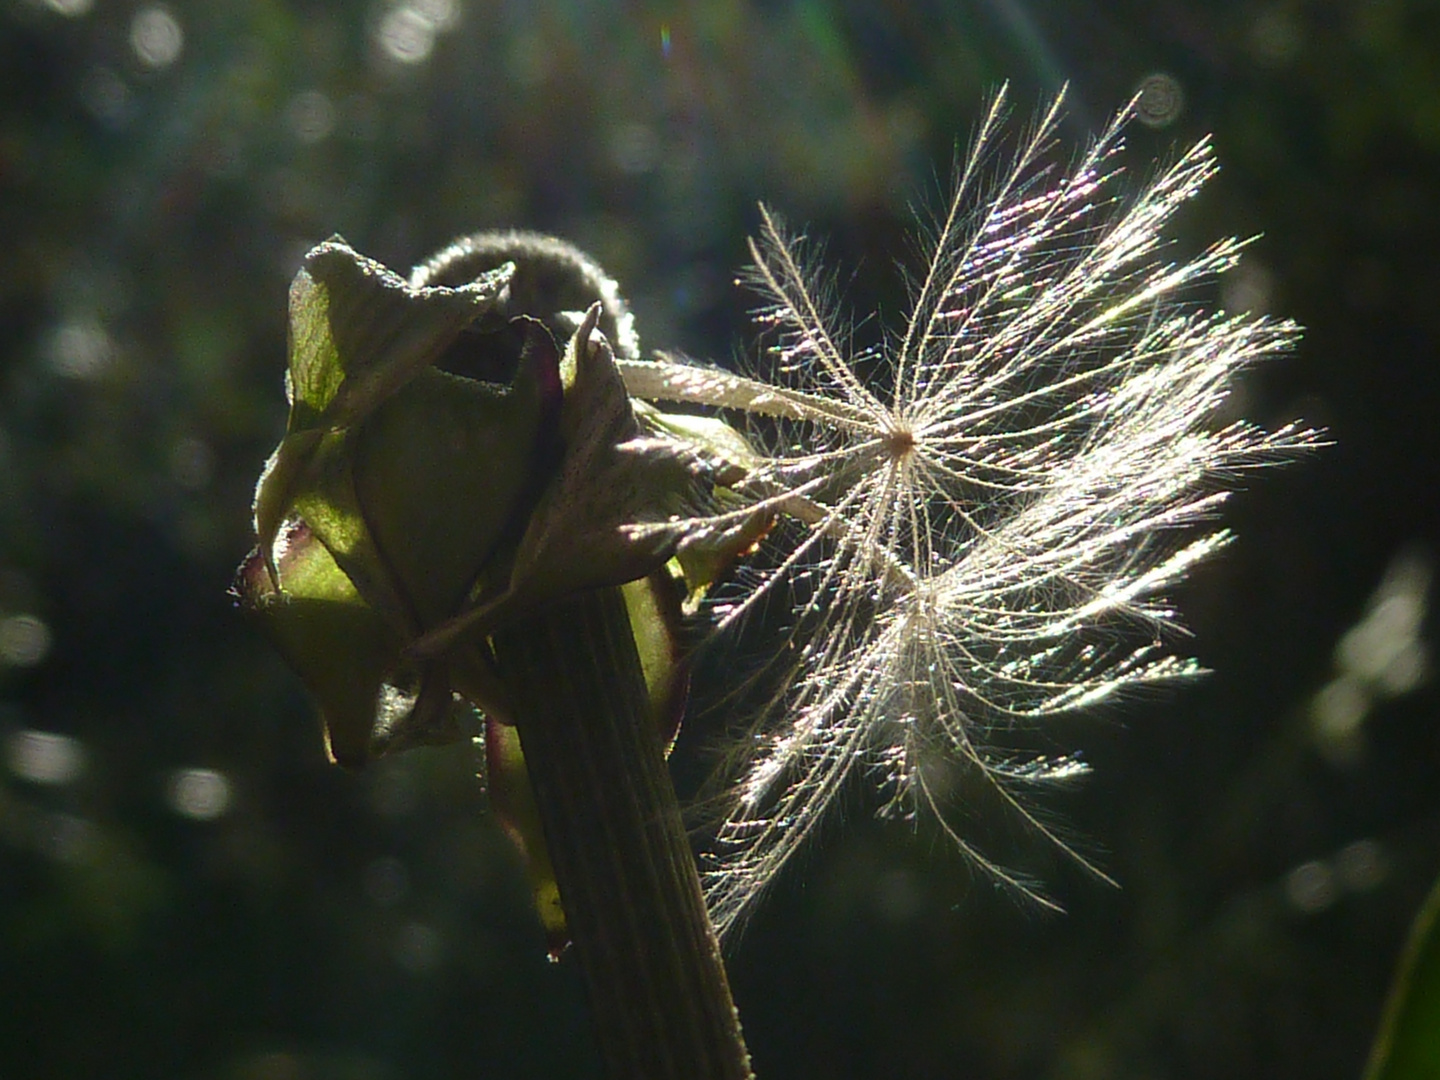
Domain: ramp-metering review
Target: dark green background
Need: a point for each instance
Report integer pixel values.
(331, 925)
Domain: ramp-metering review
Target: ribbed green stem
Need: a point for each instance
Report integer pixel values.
(651, 961)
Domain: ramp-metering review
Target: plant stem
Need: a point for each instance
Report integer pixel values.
(656, 983)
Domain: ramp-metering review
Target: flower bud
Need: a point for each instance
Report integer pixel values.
(447, 468)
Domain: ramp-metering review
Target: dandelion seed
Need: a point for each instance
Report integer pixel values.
(984, 530)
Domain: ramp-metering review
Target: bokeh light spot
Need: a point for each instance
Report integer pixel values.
(1339, 708)
(71, 9)
(1382, 656)
(310, 117)
(156, 37)
(1384, 648)
(80, 348)
(442, 15)
(1160, 99)
(406, 36)
(1310, 887)
(24, 640)
(106, 96)
(1248, 288)
(1361, 866)
(44, 757)
(199, 794)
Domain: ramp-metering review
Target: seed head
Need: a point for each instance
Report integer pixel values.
(985, 512)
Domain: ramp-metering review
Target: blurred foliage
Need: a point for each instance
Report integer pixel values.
(1409, 1044)
(187, 889)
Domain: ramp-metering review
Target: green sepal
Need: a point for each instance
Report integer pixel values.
(371, 700)
(358, 332)
(512, 800)
(729, 453)
(324, 497)
(653, 605)
(617, 508)
(341, 649)
(445, 472)
(705, 555)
